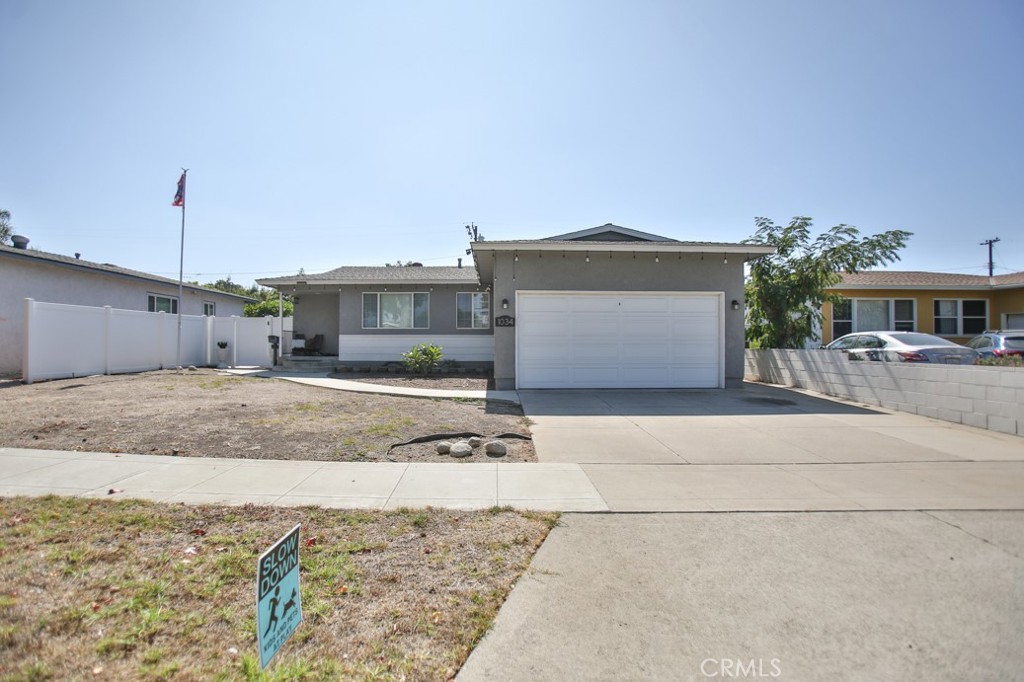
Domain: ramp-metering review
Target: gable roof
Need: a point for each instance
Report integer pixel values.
(609, 233)
(902, 279)
(104, 268)
(399, 274)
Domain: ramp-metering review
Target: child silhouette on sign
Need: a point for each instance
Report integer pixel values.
(274, 601)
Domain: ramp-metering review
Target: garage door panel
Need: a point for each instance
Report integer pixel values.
(581, 340)
(694, 305)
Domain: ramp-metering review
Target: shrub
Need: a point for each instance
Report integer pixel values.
(424, 358)
(1005, 361)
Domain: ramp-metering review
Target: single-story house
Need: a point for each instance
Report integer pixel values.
(52, 278)
(607, 307)
(957, 307)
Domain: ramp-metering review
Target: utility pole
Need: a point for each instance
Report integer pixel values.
(989, 243)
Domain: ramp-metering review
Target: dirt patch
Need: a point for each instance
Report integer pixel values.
(206, 413)
(133, 590)
(438, 381)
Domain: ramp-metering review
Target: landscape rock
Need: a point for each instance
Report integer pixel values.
(495, 448)
(461, 449)
(443, 447)
(475, 442)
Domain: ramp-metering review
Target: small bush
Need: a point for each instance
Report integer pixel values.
(424, 358)
(1005, 361)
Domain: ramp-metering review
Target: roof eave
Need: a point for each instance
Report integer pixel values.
(624, 247)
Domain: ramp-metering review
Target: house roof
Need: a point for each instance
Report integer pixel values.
(105, 268)
(399, 274)
(901, 279)
(609, 232)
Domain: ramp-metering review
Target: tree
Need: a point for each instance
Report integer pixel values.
(786, 290)
(5, 226)
(266, 299)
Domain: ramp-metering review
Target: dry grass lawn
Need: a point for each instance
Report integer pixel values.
(133, 590)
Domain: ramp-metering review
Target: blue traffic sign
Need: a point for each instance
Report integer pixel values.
(278, 598)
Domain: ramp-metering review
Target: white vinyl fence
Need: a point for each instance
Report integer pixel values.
(64, 341)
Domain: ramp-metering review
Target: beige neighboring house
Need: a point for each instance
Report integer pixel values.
(954, 306)
(52, 278)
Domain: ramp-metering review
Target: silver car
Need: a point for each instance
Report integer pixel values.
(903, 347)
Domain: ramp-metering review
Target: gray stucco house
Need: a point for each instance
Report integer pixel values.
(53, 278)
(607, 307)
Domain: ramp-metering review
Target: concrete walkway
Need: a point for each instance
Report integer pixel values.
(324, 380)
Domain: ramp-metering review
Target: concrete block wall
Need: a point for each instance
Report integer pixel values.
(984, 397)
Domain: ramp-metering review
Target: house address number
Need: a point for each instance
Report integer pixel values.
(504, 321)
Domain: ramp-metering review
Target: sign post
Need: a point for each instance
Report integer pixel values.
(278, 599)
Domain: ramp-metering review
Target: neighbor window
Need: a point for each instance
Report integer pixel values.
(396, 311)
(473, 310)
(955, 317)
(872, 315)
(209, 309)
(163, 304)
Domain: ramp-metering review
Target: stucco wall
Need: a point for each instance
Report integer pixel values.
(52, 283)
(1008, 301)
(621, 272)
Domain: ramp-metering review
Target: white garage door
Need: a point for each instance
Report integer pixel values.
(612, 340)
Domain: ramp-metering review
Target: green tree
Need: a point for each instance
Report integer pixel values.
(785, 291)
(5, 226)
(266, 299)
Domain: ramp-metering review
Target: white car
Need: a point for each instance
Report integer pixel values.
(903, 347)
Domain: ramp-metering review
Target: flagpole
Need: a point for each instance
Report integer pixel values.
(181, 262)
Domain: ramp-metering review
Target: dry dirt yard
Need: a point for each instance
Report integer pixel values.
(206, 413)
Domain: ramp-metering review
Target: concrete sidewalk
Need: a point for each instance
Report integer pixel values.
(212, 480)
(558, 487)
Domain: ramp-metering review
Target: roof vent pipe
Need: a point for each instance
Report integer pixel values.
(19, 241)
(460, 263)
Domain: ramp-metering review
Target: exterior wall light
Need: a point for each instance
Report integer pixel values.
(504, 303)
(735, 304)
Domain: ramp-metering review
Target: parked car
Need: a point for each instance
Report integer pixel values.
(903, 347)
(999, 344)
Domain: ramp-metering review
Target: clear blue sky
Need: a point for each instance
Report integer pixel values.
(321, 134)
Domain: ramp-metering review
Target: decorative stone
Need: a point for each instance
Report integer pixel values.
(475, 442)
(460, 449)
(495, 448)
(443, 447)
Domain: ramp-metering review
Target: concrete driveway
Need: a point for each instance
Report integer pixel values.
(901, 556)
(762, 448)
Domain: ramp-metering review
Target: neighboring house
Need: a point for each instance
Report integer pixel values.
(53, 278)
(607, 307)
(953, 306)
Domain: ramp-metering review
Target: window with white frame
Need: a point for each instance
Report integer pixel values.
(163, 304)
(872, 315)
(473, 310)
(396, 310)
(960, 317)
(209, 309)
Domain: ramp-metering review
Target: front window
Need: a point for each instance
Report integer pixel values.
(872, 314)
(954, 317)
(396, 311)
(473, 310)
(163, 304)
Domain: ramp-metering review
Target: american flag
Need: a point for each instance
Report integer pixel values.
(179, 196)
